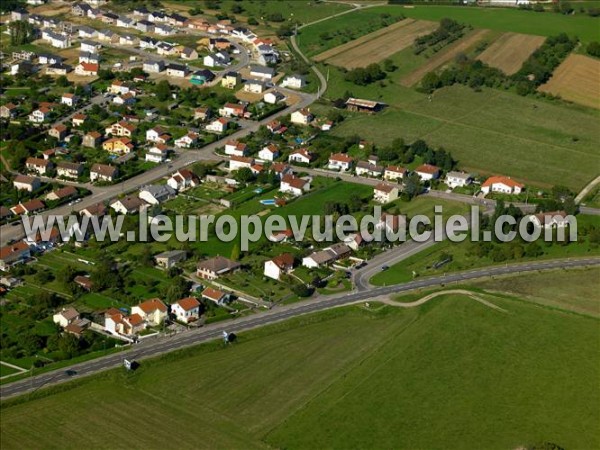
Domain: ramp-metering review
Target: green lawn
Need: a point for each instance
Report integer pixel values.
(488, 132)
(451, 374)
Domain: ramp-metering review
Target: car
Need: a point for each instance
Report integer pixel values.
(385, 267)
(15, 224)
(70, 372)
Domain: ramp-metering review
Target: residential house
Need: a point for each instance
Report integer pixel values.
(361, 105)
(240, 162)
(280, 169)
(269, 153)
(273, 97)
(157, 135)
(30, 207)
(157, 153)
(62, 193)
(116, 322)
(262, 72)
(177, 70)
(128, 39)
(326, 256)
(255, 86)
(202, 76)
(186, 310)
(90, 46)
(125, 22)
(118, 145)
(236, 148)
(97, 210)
(233, 110)
(215, 295)
(340, 161)
(46, 58)
(121, 128)
(84, 282)
(393, 173)
(38, 165)
(65, 317)
(91, 139)
(69, 99)
(291, 184)
(13, 254)
(278, 266)
(78, 119)
(189, 53)
(458, 179)
(40, 115)
(154, 66)
(187, 141)
(128, 205)
(87, 69)
(157, 193)
(364, 168)
(550, 219)
(58, 131)
(218, 59)
(302, 117)
(58, 69)
(124, 99)
(294, 81)
(168, 259)
(501, 184)
(145, 26)
(66, 169)
(385, 193)
(86, 32)
(103, 172)
(231, 80)
(219, 125)
(8, 111)
(276, 127)
(202, 113)
(164, 30)
(301, 155)
(108, 36)
(183, 179)
(213, 268)
(427, 172)
(26, 183)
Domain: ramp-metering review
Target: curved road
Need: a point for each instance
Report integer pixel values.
(160, 345)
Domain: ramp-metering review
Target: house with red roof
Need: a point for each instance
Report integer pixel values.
(501, 184)
(291, 184)
(428, 172)
(278, 266)
(186, 310)
(340, 161)
(153, 311)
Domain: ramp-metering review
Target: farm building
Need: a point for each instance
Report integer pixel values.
(360, 105)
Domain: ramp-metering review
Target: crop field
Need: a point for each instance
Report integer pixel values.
(576, 79)
(510, 51)
(376, 46)
(453, 373)
(444, 56)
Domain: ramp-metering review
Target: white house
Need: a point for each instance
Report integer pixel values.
(340, 161)
(269, 152)
(302, 117)
(279, 265)
(236, 148)
(291, 184)
(255, 86)
(183, 179)
(273, 97)
(218, 125)
(65, 317)
(262, 72)
(90, 46)
(240, 162)
(550, 219)
(157, 153)
(301, 155)
(294, 81)
(385, 193)
(187, 141)
(504, 185)
(427, 172)
(458, 179)
(157, 193)
(186, 310)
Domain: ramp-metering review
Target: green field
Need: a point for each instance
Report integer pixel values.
(450, 374)
(488, 132)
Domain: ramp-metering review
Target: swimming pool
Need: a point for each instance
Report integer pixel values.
(258, 191)
(268, 201)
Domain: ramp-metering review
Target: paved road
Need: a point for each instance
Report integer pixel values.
(587, 189)
(157, 346)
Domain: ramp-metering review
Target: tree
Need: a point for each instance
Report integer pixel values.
(243, 175)
(63, 81)
(412, 186)
(302, 290)
(176, 290)
(430, 82)
(252, 21)
(389, 66)
(163, 90)
(21, 32)
(593, 49)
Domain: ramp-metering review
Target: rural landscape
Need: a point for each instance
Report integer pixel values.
(161, 285)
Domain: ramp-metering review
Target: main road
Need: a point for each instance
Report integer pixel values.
(156, 346)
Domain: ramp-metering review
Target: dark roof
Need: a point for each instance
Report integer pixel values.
(177, 67)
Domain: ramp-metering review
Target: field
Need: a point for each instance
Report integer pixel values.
(488, 132)
(444, 56)
(453, 373)
(510, 51)
(377, 46)
(576, 79)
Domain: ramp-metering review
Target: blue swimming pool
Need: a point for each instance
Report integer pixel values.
(268, 202)
(258, 190)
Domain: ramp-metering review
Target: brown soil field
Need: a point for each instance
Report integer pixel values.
(444, 56)
(577, 79)
(377, 46)
(510, 51)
